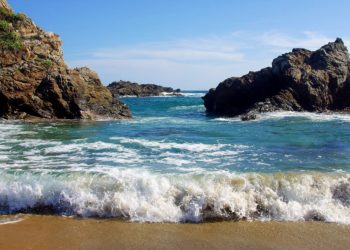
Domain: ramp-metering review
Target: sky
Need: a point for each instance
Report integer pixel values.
(187, 44)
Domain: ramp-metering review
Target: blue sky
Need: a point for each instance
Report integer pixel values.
(185, 44)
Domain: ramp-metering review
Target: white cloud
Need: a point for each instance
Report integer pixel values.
(197, 63)
(181, 51)
(309, 40)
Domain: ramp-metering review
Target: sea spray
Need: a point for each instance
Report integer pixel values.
(142, 196)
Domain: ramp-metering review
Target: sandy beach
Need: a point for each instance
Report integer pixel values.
(50, 232)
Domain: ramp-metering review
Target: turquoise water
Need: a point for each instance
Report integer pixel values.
(174, 163)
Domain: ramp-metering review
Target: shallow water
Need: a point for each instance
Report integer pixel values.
(173, 163)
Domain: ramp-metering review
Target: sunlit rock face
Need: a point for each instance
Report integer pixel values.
(35, 82)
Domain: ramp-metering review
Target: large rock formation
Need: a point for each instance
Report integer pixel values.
(125, 88)
(301, 80)
(35, 81)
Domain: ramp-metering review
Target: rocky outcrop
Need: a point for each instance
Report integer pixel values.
(301, 80)
(35, 82)
(5, 5)
(125, 88)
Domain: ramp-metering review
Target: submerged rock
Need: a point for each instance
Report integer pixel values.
(301, 80)
(126, 88)
(35, 82)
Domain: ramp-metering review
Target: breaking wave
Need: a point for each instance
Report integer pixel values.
(194, 94)
(142, 196)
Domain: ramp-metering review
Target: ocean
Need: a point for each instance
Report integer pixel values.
(173, 163)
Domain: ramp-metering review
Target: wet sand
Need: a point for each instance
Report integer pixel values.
(50, 232)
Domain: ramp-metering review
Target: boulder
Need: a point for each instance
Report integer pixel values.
(35, 82)
(302, 80)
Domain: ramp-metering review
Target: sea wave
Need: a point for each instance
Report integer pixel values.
(189, 107)
(193, 94)
(320, 117)
(317, 117)
(118, 174)
(143, 196)
(193, 147)
(161, 119)
(160, 155)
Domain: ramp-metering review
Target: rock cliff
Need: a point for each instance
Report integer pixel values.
(5, 5)
(35, 82)
(302, 80)
(125, 88)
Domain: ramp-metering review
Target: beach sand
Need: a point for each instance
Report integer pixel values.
(51, 232)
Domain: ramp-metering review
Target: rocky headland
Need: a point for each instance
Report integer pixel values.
(302, 80)
(126, 88)
(35, 82)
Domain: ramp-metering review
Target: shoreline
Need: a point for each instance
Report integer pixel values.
(54, 232)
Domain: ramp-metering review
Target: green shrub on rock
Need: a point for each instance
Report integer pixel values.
(9, 39)
(4, 26)
(47, 63)
(10, 16)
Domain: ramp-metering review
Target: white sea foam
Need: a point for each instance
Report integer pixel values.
(175, 161)
(32, 153)
(193, 94)
(26, 132)
(190, 107)
(318, 117)
(4, 147)
(194, 147)
(227, 119)
(162, 119)
(121, 151)
(152, 119)
(10, 220)
(78, 147)
(30, 143)
(144, 196)
(3, 157)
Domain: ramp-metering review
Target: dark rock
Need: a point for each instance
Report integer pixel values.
(125, 88)
(249, 117)
(301, 80)
(36, 83)
(314, 215)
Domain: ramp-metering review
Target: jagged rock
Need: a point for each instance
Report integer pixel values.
(36, 83)
(125, 88)
(301, 80)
